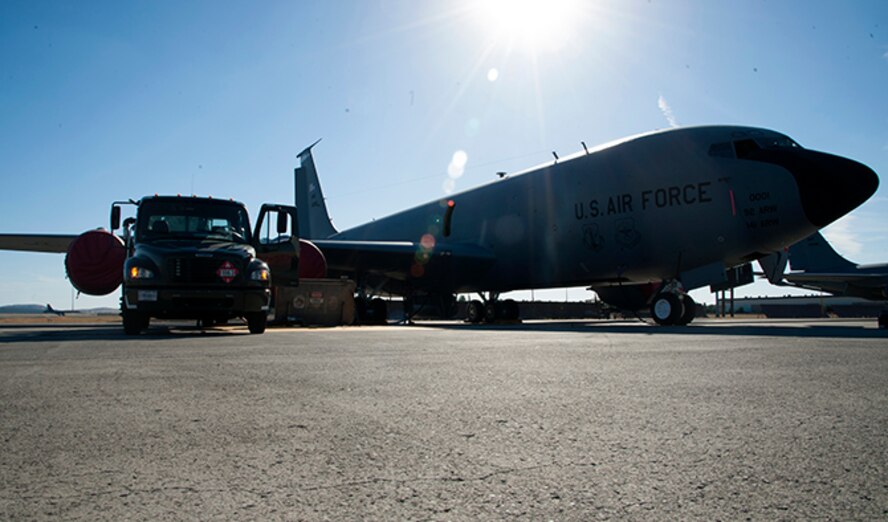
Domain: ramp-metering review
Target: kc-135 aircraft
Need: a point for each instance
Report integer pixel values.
(641, 221)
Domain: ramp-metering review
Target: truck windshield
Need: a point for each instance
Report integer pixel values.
(192, 219)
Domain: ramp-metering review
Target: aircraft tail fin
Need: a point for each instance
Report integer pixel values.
(815, 254)
(314, 220)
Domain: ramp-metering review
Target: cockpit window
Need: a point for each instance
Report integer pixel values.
(777, 142)
(743, 148)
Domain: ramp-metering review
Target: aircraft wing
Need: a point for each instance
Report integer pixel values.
(396, 259)
(57, 243)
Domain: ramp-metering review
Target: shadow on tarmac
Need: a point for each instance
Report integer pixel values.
(790, 328)
(159, 332)
(109, 332)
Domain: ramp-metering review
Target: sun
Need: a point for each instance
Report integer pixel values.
(538, 25)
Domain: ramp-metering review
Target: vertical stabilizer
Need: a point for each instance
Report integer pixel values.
(314, 221)
(815, 254)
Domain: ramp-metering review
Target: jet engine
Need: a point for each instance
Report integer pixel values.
(94, 262)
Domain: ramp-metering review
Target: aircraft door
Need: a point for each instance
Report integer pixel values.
(276, 239)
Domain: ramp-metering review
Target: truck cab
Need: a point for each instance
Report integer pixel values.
(198, 258)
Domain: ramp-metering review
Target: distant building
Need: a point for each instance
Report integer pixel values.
(809, 306)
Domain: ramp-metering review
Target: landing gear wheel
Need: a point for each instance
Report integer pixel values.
(373, 311)
(360, 310)
(447, 304)
(256, 322)
(475, 311)
(689, 312)
(511, 310)
(666, 309)
(134, 322)
(378, 311)
(206, 322)
(493, 311)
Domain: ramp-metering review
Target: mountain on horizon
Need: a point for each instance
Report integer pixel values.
(39, 309)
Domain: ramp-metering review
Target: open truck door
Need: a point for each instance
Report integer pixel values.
(276, 239)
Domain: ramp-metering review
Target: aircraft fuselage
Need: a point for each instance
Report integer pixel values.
(685, 202)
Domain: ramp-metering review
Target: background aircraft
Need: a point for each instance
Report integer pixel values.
(642, 220)
(817, 266)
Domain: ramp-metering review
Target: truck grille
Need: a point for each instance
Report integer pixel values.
(201, 270)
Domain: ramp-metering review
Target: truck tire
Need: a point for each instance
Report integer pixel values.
(134, 322)
(256, 322)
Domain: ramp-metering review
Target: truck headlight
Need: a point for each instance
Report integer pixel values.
(138, 272)
(261, 274)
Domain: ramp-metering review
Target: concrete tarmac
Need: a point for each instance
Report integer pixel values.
(728, 420)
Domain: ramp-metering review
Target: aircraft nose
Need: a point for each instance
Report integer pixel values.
(829, 186)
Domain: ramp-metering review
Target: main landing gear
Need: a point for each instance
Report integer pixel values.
(492, 310)
(370, 311)
(671, 306)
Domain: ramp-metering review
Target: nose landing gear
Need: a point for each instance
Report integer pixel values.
(672, 306)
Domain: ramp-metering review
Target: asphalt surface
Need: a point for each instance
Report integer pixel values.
(763, 420)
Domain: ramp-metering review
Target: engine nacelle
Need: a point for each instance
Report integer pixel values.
(94, 262)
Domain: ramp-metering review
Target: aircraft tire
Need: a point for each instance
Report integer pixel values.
(378, 311)
(511, 310)
(447, 304)
(360, 310)
(666, 309)
(689, 311)
(206, 322)
(493, 311)
(475, 311)
(256, 322)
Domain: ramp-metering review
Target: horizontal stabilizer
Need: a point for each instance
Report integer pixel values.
(815, 254)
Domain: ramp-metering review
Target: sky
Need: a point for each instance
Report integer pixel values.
(105, 101)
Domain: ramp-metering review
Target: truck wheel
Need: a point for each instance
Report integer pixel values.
(256, 322)
(135, 322)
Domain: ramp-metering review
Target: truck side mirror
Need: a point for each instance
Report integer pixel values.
(115, 217)
(282, 222)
